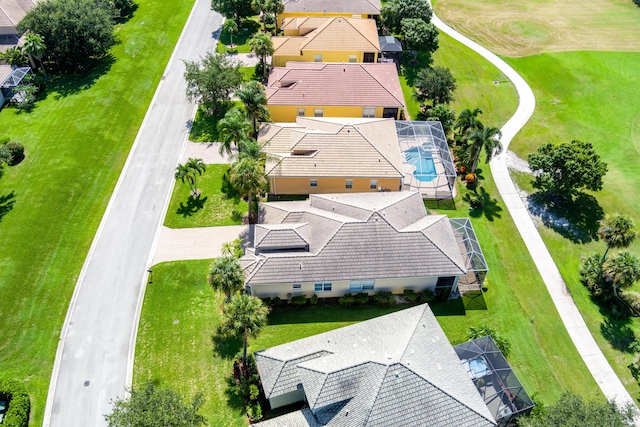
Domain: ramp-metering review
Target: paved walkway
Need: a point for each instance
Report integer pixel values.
(597, 364)
(209, 152)
(177, 244)
(94, 360)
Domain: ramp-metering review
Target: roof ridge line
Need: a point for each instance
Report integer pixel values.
(360, 32)
(309, 37)
(377, 150)
(464, 268)
(365, 67)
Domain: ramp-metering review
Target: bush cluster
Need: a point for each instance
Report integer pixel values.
(248, 386)
(298, 300)
(11, 152)
(19, 403)
(484, 330)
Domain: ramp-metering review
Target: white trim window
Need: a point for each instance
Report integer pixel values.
(318, 112)
(322, 287)
(362, 285)
(301, 112)
(373, 184)
(348, 184)
(353, 58)
(317, 57)
(313, 183)
(297, 286)
(368, 112)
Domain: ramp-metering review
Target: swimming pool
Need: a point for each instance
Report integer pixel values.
(425, 168)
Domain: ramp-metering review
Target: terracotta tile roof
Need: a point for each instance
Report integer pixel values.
(318, 84)
(371, 7)
(303, 24)
(353, 148)
(338, 33)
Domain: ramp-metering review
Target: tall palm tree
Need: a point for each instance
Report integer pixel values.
(34, 48)
(195, 167)
(247, 176)
(225, 275)
(262, 46)
(249, 148)
(467, 120)
(230, 26)
(233, 128)
(621, 270)
(254, 97)
(183, 174)
(618, 231)
(487, 138)
(232, 248)
(244, 316)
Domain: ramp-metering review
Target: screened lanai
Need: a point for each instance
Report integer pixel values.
(428, 165)
(501, 390)
(477, 268)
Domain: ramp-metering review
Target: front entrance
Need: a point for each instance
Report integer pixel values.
(444, 286)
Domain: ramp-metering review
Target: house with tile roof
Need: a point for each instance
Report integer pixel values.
(11, 13)
(394, 370)
(332, 244)
(331, 155)
(334, 90)
(337, 39)
(329, 8)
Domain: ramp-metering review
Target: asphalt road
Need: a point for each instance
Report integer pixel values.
(93, 360)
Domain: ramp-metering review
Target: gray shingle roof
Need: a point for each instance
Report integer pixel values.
(397, 369)
(280, 236)
(371, 7)
(360, 236)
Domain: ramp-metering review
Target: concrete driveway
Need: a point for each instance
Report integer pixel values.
(93, 362)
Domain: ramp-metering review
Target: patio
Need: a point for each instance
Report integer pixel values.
(496, 382)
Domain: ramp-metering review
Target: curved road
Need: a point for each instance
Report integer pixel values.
(93, 362)
(597, 364)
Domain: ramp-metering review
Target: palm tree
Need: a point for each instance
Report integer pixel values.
(621, 270)
(262, 46)
(195, 167)
(254, 97)
(34, 48)
(225, 275)
(244, 316)
(231, 27)
(232, 248)
(487, 138)
(233, 128)
(468, 120)
(183, 174)
(249, 148)
(247, 176)
(618, 231)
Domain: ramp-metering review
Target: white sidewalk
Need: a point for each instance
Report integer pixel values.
(597, 364)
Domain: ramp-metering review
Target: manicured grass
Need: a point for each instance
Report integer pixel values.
(586, 95)
(474, 80)
(534, 26)
(77, 139)
(247, 30)
(218, 204)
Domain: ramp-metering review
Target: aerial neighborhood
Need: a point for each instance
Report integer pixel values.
(318, 213)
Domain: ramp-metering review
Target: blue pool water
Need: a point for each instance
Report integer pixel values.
(425, 167)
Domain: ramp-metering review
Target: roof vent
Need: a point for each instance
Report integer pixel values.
(397, 375)
(346, 413)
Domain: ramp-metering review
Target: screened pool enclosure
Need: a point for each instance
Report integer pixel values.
(501, 390)
(427, 161)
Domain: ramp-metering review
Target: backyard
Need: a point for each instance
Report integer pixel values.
(77, 140)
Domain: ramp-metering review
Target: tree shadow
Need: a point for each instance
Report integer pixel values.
(225, 347)
(6, 204)
(128, 14)
(618, 333)
(192, 206)
(575, 219)
(233, 400)
(410, 68)
(228, 190)
(64, 84)
(490, 207)
(453, 307)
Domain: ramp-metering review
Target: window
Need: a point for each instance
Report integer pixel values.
(313, 183)
(318, 112)
(297, 286)
(369, 57)
(390, 113)
(362, 285)
(301, 112)
(322, 287)
(373, 184)
(369, 112)
(352, 58)
(317, 58)
(348, 184)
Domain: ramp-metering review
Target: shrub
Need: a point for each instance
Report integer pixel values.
(314, 299)
(17, 152)
(384, 297)
(484, 330)
(299, 300)
(267, 301)
(346, 300)
(254, 392)
(254, 411)
(276, 301)
(5, 155)
(362, 298)
(633, 299)
(19, 403)
(426, 296)
(410, 295)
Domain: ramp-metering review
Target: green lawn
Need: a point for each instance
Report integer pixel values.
(218, 204)
(247, 30)
(587, 95)
(77, 140)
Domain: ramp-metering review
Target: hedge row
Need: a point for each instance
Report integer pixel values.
(361, 298)
(19, 403)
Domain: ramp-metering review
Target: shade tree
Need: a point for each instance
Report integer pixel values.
(419, 35)
(435, 85)
(212, 80)
(233, 9)
(394, 11)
